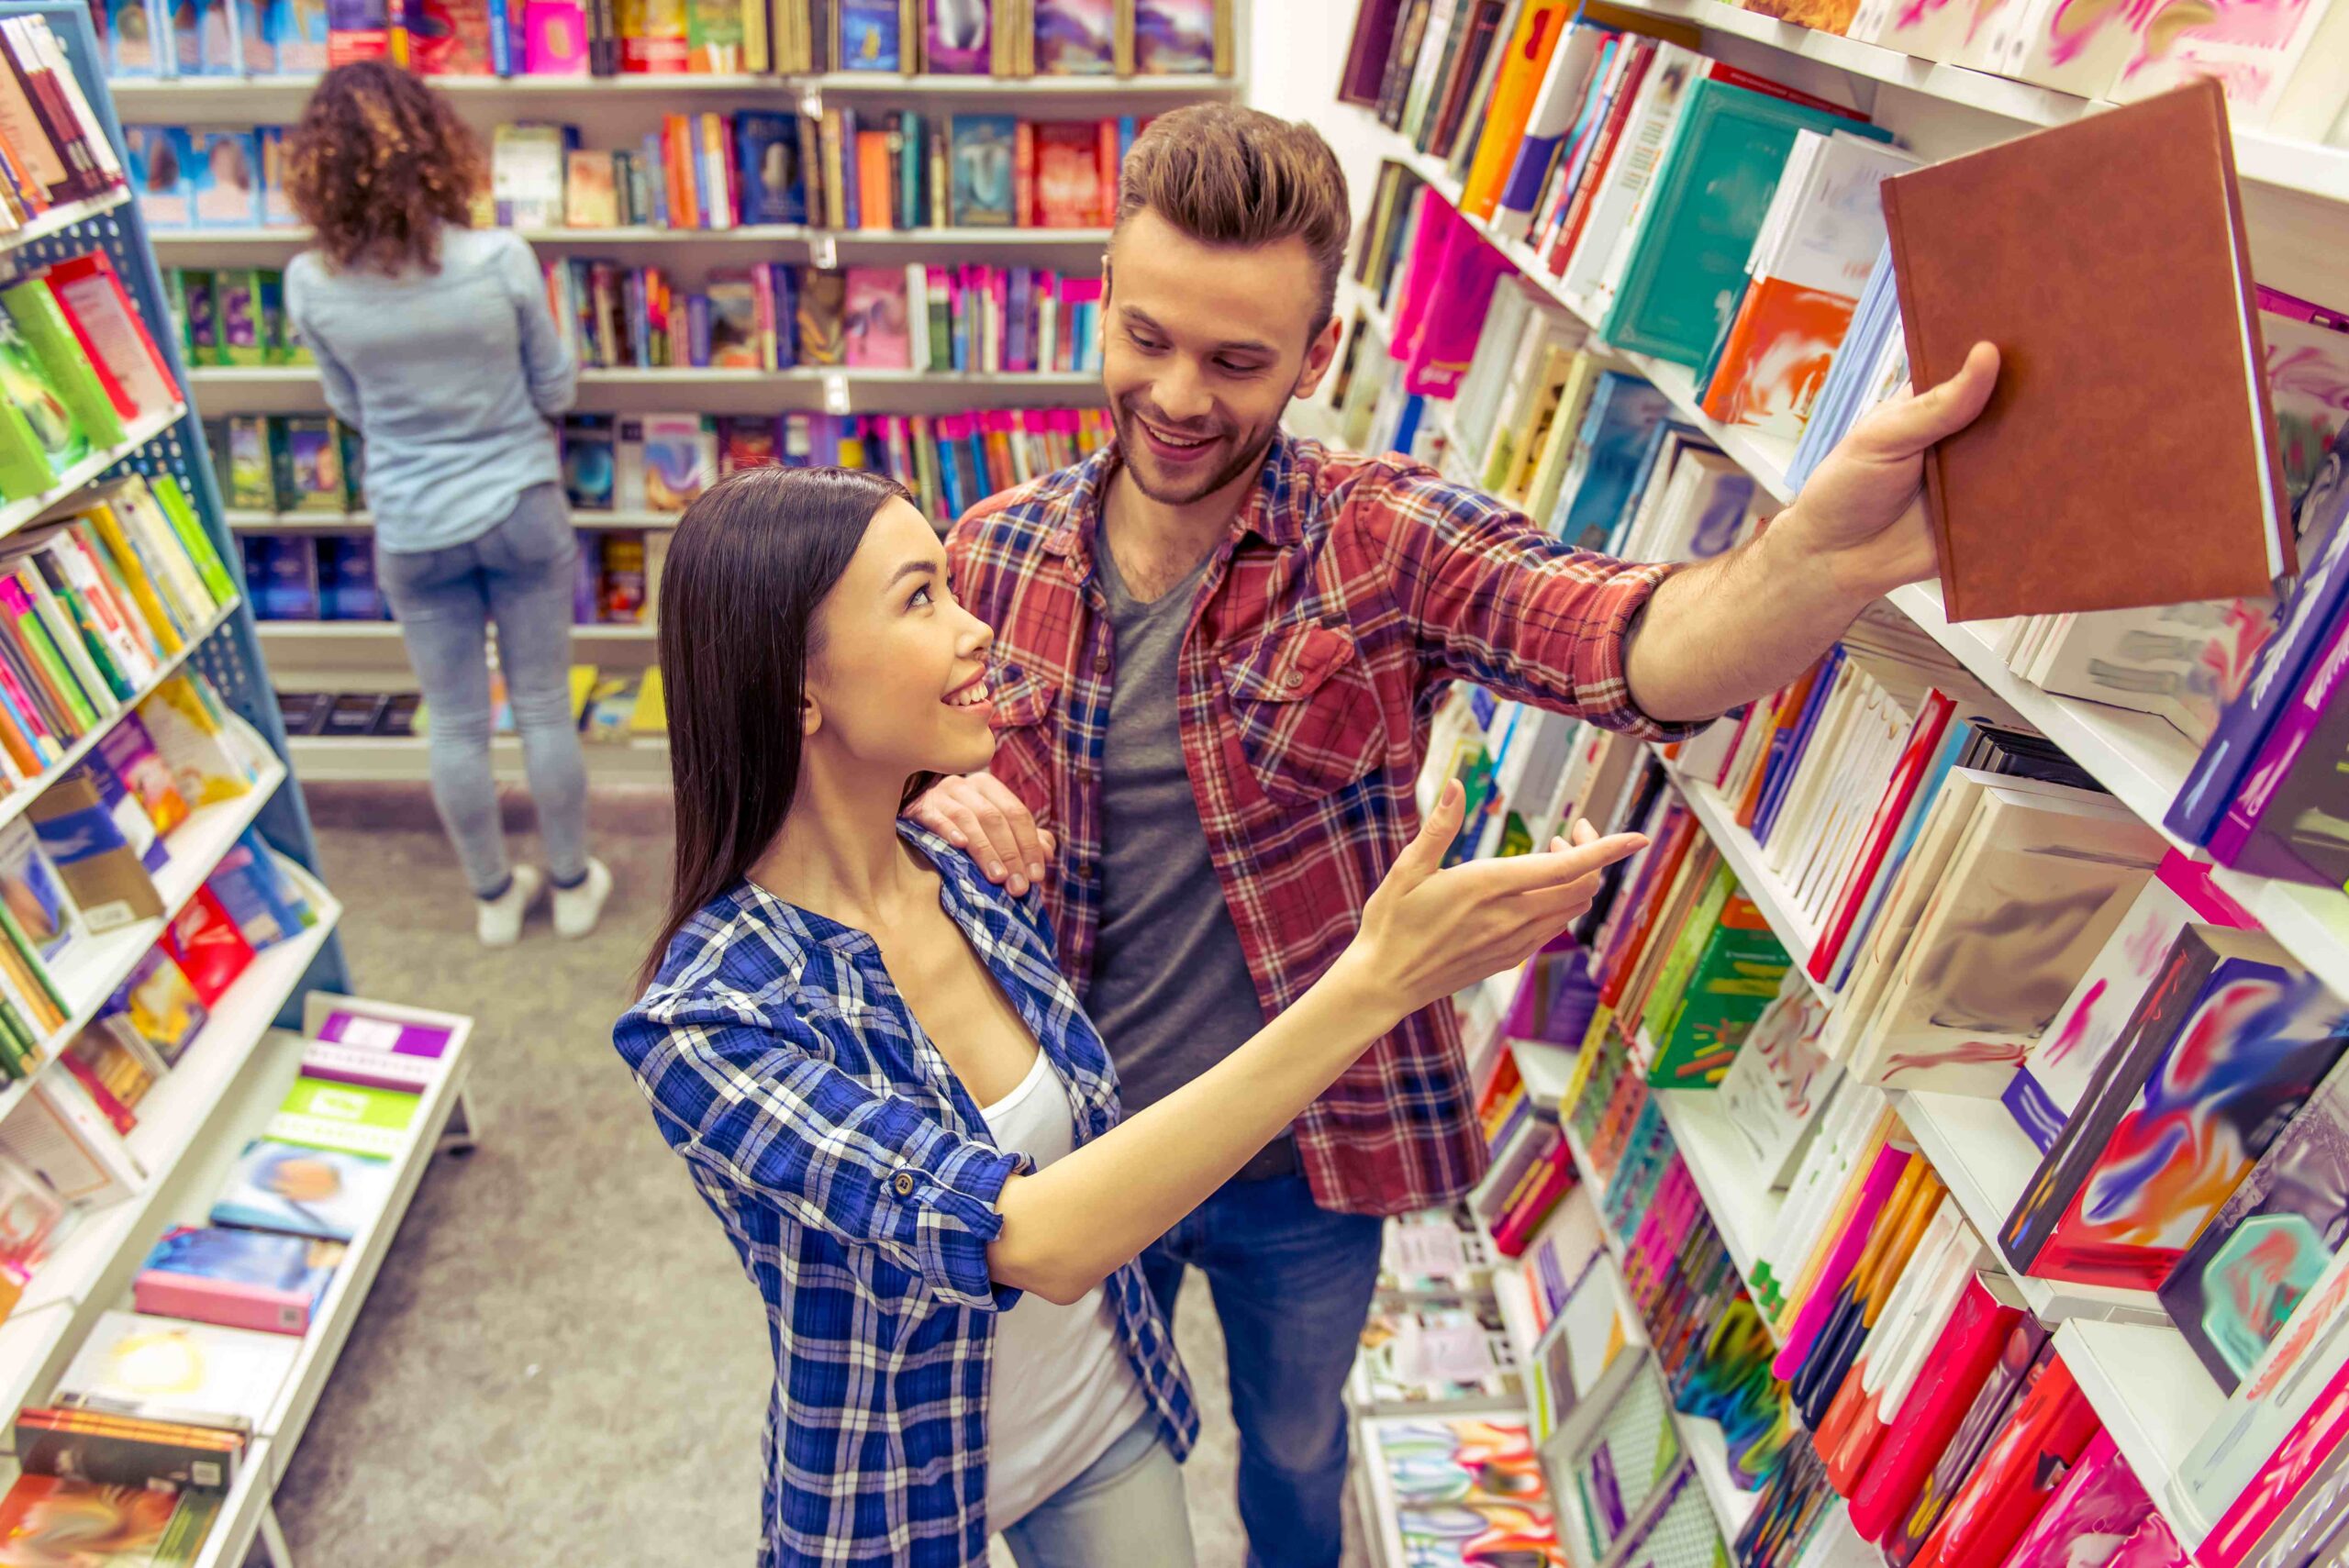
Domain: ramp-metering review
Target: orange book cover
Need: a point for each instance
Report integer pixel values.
(1539, 28)
(873, 203)
(1777, 357)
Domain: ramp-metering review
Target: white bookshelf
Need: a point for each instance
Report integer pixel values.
(407, 758)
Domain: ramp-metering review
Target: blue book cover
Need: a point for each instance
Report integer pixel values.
(1643, 474)
(255, 891)
(766, 151)
(225, 173)
(590, 462)
(157, 174)
(347, 587)
(132, 40)
(869, 38)
(36, 899)
(245, 1257)
(281, 572)
(1782, 765)
(297, 32)
(301, 1191)
(983, 151)
(1623, 410)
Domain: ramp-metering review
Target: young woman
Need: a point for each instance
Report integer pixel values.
(436, 345)
(867, 1057)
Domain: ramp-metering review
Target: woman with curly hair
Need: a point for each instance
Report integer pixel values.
(436, 344)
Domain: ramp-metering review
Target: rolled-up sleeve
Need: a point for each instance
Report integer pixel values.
(746, 1099)
(1493, 599)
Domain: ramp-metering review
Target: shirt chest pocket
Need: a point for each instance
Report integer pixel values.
(1023, 742)
(1306, 711)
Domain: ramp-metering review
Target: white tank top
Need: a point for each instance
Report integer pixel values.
(1062, 1391)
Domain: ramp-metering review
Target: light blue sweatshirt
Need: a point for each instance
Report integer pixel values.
(451, 377)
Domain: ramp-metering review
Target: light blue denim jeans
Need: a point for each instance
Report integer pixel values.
(1126, 1508)
(519, 575)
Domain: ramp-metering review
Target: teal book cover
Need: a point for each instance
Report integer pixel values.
(1709, 198)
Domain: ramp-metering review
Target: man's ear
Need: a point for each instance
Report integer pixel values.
(1319, 355)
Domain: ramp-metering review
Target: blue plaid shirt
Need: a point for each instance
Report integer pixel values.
(858, 1182)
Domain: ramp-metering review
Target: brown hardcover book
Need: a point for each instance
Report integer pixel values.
(2124, 458)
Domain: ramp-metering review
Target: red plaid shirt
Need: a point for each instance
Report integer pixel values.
(1349, 594)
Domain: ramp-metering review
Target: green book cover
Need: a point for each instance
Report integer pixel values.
(1732, 982)
(344, 1117)
(31, 958)
(77, 634)
(1665, 994)
(42, 438)
(1704, 208)
(198, 544)
(44, 329)
(32, 631)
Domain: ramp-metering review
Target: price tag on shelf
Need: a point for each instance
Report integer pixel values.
(822, 253)
(811, 101)
(835, 392)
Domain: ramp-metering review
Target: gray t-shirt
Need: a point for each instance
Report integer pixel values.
(1171, 992)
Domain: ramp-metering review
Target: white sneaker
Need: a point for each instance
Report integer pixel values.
(577, 908)
(498, 921)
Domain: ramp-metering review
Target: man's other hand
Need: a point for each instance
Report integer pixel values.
(976, 813)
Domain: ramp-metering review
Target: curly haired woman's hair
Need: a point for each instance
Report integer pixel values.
(377, 165)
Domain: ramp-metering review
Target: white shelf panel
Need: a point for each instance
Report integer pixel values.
(291, 237)
(16, 514)
(243, 1512)
(1744, 1209)
(1983, 1157)
(2155, 1399)
(246, 521)
(277, 635)
(1515, 1299)
(1545, 1069)
(97, 1259)
(58, 219)
(407, 758)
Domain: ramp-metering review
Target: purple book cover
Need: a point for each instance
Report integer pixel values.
(961, 36)
(585, 589)
(2285, 796)
(2239, 1282)
(404, 1036)
(1786, 747)
(2315, 605)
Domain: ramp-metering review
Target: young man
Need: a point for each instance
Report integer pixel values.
(1217, 652)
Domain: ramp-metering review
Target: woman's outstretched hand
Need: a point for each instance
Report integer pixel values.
(1428, 932)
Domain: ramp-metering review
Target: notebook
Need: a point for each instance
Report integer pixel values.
(2124, 458)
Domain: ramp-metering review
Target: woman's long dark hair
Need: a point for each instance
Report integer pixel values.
(749, 563)
(378, 165)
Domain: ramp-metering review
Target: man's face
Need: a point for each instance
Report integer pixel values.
(1202, 348)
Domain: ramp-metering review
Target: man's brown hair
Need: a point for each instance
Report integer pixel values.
(1231, 176)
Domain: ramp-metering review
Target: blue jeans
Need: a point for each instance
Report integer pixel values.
(519, 575)
(1292, 1283)
(1126, 1508)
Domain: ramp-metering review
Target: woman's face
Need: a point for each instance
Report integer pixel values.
(898, 684)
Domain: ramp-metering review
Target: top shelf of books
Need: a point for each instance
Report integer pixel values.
(2263, 156)
(246, 96)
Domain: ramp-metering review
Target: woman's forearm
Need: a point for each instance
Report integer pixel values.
(1069, 1226)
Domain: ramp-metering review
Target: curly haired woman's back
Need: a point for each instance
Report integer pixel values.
(436, 344)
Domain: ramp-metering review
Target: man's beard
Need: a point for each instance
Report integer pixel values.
(1249, 454)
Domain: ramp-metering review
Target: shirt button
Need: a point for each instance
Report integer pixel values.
(1292, 680)
(1100, 663)
(903, 1184)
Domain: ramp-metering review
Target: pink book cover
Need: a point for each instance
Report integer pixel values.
(1447, 286)
(2091, 1515)
(2275, 1489)
(554, 37)
(1890, 1161)
(2237, 840)
(225, 1302)
(874, 319)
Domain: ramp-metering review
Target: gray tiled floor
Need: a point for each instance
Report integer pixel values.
(560, 1362)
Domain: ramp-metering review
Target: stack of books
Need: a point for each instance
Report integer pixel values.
(53, 148)
(77, 369)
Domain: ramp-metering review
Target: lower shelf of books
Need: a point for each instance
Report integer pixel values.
(1744, 1207)
(93, 1261)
